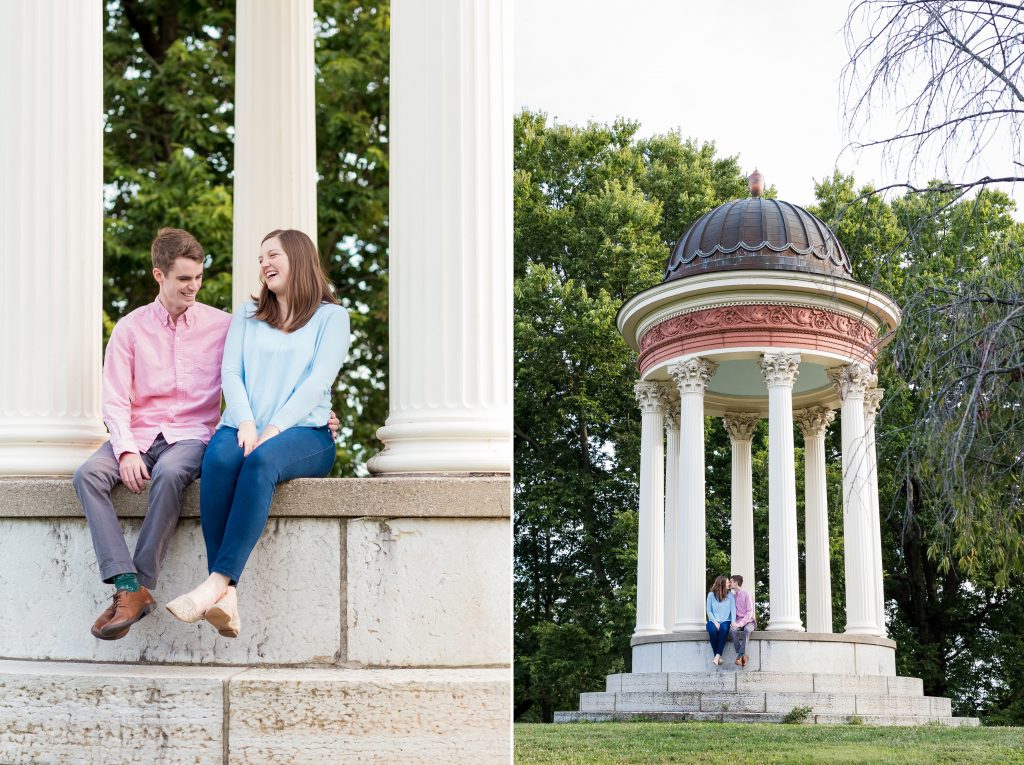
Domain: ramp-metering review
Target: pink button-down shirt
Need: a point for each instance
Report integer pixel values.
(163, 377)
(744, 608)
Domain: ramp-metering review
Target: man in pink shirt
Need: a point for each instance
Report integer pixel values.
(745, 621)
(161, 404)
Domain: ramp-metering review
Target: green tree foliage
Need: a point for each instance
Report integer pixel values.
(949, 499)
(596, 208)
(169, 90)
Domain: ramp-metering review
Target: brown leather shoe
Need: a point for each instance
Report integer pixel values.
(129, 607)
(101, 621)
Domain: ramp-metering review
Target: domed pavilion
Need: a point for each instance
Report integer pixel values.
(759, 316)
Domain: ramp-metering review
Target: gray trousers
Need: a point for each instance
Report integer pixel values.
(171, 467)
(740, 638)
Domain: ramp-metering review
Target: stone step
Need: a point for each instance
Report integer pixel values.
(769, 702)
(755, 681)
(764, 717)
(57, 713)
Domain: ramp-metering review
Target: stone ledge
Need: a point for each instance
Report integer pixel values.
(411, 497)
(814, 637)
(61, 713)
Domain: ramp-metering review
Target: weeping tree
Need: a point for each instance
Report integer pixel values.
(950, 73)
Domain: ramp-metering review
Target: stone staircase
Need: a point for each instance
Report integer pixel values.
(725, 695)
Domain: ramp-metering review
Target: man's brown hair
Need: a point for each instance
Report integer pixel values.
(307, 285)
(171, 244)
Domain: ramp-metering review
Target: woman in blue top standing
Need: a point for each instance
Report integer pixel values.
(281, 357)
(721, 608)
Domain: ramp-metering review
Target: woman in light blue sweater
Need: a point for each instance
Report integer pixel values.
(721, 608)
(281, 357)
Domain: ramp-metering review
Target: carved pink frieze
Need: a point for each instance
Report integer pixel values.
(745, 325)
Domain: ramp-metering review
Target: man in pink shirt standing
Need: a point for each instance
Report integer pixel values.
(161, 404)
(745, 621)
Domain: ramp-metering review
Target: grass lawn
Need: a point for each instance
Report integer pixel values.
(749, 744)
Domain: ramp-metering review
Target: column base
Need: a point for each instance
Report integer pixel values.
(649, 630)
(784, 625)
(441, 446)
(690, 626)
(863, 629)
(48, 446)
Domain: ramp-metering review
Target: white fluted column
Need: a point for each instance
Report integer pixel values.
(780, 371)
(275, 131)
(872, 401)
(649, 574)
(813, 423)
(692, 378)
(740, 428)
(51, 215)
(861, 608)
(670, 560)
(450, 322)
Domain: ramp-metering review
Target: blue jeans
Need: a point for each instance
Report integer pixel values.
(235, 491)
(719, 637)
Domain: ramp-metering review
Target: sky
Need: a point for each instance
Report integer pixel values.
(760, 79)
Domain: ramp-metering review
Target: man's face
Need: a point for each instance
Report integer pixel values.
(179, 286)
(733, 585)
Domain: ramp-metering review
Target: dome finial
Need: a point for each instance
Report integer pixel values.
(756, 183)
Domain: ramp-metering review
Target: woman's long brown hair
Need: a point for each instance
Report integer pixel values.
(720, 588)
(307, 287)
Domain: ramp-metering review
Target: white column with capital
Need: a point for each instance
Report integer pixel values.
(692, 378)
(740, 428)
(450, 320)
(861, 603)
(872, 401)
(670, 560)
(275, 131)
(649, 576)
(51, 215)
(780, 371)
(814, 422)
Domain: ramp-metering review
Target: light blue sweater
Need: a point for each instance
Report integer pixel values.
(282, 379)
(721, 610)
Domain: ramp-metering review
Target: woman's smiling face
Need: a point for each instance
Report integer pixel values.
(274, 265)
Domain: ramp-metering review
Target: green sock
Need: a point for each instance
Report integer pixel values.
(128, 582)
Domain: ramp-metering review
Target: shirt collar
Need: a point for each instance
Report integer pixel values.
(165, 318)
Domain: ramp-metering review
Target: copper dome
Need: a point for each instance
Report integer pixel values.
(758, 233)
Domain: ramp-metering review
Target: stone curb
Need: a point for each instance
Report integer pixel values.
(404, 497)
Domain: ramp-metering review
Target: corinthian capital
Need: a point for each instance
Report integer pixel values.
(814, 420)
(692, 375)
(851, 380)
(740, 427)
(780, 369)
(650, 396)
(872, 400)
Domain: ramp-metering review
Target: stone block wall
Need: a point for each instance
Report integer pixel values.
(376, 626)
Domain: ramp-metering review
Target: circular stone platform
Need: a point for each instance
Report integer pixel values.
(805, 652)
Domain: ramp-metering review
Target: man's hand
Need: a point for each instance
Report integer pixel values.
(247, 438)
(333, 424)
(268, 432)
(133, 472)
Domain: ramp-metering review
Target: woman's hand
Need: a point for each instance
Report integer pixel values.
(247, 438)
(717, 625)
(268, 432)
